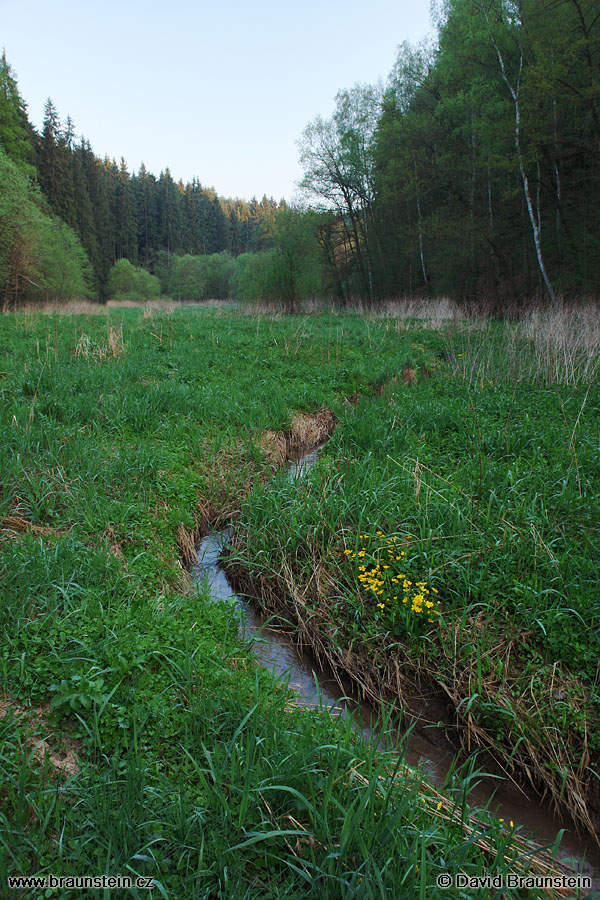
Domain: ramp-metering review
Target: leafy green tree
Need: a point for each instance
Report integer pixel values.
(218, 270)
(288, 274)
(18, 220)
(16, 132)
(189, 279)
(296, 259)
(560, 121)
(338, 157)
(504, 22)
(63, 271)
(483, 149)
(41, 258)
(128, 282)
(253, 279)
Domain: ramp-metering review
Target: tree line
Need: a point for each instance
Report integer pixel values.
(475, 171)
(107, 212)
(137, 216)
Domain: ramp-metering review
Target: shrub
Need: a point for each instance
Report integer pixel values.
(189, 278)
(127, 282)
(218, 269)
(197, 277)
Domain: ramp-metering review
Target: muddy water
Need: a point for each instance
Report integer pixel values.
(428, 746)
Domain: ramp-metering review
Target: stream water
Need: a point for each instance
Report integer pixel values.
(428, 746)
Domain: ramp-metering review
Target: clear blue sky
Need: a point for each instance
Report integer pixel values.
(221, 91)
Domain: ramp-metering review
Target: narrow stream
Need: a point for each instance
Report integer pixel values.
(429, 748)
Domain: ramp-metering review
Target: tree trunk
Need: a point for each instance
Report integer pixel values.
(421, 253)
(514, 93)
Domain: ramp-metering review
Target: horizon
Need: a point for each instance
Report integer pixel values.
(229, 114)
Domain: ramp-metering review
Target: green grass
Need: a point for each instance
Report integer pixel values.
(120, 433)
(490, 488)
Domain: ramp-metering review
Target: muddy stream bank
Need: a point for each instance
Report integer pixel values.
(429, 747)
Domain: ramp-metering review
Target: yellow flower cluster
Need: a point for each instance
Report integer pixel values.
(393, 589)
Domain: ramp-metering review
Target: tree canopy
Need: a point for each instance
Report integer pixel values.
(475, 171)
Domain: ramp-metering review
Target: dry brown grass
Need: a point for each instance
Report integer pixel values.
(273, 446)
(308, 430)
(166, 303)
(186, 543)
(231, 472)
(90, 308)
(559, 769)
(547, 345)
(111, 346)
(61, 751)
(409, 307)
(408, 375)
(427, 310)
(13, 526)
(112, 538)
(567, 341)
(560, 764)
(73, 308)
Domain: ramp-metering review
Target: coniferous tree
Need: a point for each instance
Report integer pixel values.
(125, 217)
(16, 132)
(100, 239)
(169, 206)
(85, 219)
(146, 203)
(218, 228)
(194, 218)
(54, 164)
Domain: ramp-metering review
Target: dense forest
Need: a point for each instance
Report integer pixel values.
(61, 202)
(474, 172)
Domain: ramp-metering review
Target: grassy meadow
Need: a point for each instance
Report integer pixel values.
(448, 539)
(447, 536)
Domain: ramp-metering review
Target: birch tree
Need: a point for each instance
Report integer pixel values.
(506, 15)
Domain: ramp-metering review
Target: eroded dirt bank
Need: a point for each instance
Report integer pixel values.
(387, 675)
(423, 704)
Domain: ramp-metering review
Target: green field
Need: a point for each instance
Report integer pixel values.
(471, 447)
(454, 528)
